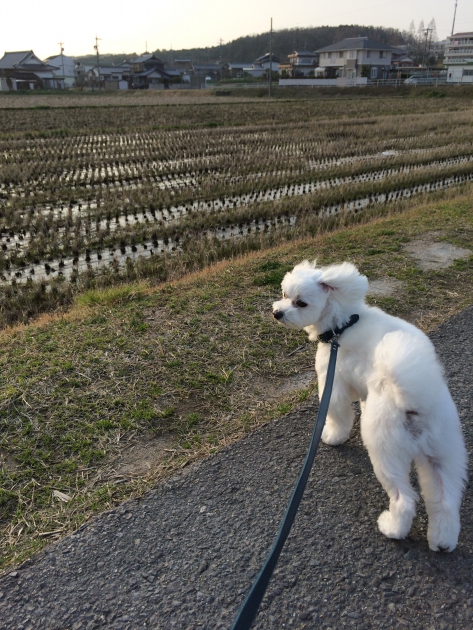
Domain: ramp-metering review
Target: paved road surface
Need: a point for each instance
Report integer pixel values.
(185, 555)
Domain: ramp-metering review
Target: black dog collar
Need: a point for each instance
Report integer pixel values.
(328, 335)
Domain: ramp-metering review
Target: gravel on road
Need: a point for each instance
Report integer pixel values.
(185, 555)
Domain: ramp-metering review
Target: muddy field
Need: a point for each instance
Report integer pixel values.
(93, 195)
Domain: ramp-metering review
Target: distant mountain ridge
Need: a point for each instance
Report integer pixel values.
(250, 47)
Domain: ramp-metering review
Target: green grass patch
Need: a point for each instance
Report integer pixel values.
(193, 361)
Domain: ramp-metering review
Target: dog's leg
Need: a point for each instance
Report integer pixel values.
(391, 450)
(442, 488)
(340, 415)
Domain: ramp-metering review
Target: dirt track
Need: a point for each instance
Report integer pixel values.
(185, 555)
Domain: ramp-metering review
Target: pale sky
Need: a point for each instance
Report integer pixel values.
(127, 27)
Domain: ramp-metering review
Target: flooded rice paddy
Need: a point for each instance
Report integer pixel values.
(74, 203)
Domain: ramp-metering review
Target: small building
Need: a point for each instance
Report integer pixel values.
(148, 71)
(145, 62)
(84, 75)
(459, 58)
(212, 70)
(23, 70)
(182, 64)
(302, 63)
(67, 68)
(260, 67)
(236, 69)
(111, 77)
(356, 57)
(401, 60)
(266, 60)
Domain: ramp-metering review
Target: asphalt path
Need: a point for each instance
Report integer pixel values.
(185, 555)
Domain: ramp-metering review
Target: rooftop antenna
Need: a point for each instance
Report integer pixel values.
(96, 47)
(454, 16)
(61, 44)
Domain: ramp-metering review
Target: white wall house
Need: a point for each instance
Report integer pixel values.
(459, 58)
(112, 77)
(259, 67)
(302, 63)
(23, 70)
(67, 69)
(356, 57)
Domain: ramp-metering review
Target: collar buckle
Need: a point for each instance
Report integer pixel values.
(334, 334)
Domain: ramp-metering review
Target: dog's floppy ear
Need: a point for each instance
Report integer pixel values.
(327, 287)
(344, 281)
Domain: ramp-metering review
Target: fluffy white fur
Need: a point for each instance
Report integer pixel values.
(408, 414)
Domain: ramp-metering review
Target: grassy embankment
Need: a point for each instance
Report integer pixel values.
(198, 360)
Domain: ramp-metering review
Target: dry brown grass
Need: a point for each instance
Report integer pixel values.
(184, 368)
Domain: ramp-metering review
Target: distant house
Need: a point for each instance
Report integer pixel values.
(459, 58)
(401, 59)
(260, 67)
(301, 63)
(84, 75)
(207, 69)
(67, 68)
(148, 71)
(182, 64)
(356, 57)
(23, 70)
(111, 77)
(236, 69)
(265, 61)
(145, 62)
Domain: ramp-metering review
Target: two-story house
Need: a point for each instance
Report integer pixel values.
(459, 58)
(147, 71)
(23, 70)
(302, 63)
(356, 57)
(67, 68)
(260, 67)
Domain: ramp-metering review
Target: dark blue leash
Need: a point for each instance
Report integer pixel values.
(249, 609)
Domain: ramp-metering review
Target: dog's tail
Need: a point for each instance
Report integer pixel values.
(407, 370)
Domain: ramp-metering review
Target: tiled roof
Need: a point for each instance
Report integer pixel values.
(357, 43)
(12, 59)
(146, 57)
(19, 60)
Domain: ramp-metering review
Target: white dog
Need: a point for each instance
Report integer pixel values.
(390, 366)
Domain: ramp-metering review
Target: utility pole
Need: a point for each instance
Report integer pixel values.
(270, 55)
(426, 31)
(62, 60)
(96, 47)
(454, 16)
(220, 44)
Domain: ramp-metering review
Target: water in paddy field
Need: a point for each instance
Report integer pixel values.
(118, 257)
(177, 212)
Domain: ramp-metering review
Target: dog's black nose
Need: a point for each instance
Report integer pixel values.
(278, 314)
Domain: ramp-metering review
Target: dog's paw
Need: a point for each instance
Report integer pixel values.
(391, 526)
(333, 435)
(443, 534)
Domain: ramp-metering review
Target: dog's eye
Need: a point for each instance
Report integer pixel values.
(301, 303)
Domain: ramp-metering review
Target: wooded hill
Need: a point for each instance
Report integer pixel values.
(247, 49)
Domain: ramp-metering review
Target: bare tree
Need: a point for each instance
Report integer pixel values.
(433, 31)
